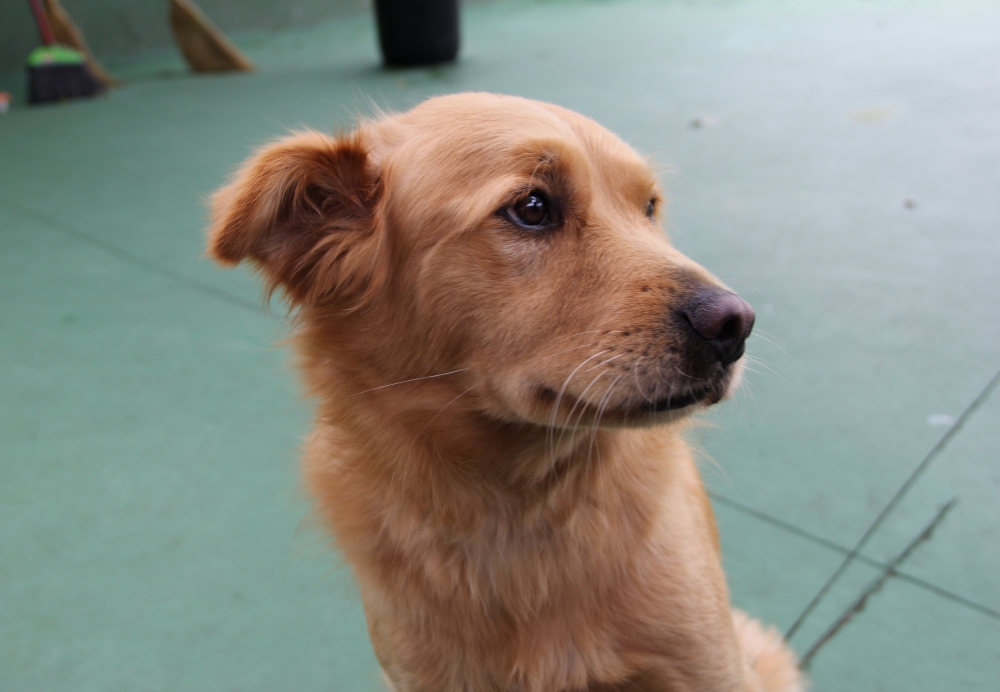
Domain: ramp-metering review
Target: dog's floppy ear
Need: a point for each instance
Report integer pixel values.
(302, 209)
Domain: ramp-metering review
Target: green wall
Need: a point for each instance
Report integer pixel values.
(115, 28)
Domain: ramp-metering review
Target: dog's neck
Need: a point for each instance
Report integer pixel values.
(458, 449)
(460, 440)
(431, 439)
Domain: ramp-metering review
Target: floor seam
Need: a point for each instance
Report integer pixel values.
(876, 585)
(860, 557)
(132, 258)
(896, 498)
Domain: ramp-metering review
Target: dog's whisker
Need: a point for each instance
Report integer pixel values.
(414, 379)
(605, 362)
(746, 393)
(753, 401)
(592, 443)
(744, 397)
(601, 409)
(581, 402)
(757, 361)
(446, 406)
(690, 377)
(637, 481)
(660, 378)
(741, 397)
(749, 384)
(602, 403)
(589, 331)
(769, 338)
(702, 454)
(638, 385)
(750, 358)
(574, 348)
(558, 400)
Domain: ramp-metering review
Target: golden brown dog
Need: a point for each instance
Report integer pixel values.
(504, 347)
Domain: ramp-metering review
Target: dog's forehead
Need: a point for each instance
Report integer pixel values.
(487, 132)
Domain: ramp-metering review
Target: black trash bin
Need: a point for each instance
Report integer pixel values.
(417, 32)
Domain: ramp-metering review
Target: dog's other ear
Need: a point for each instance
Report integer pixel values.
(302, 209)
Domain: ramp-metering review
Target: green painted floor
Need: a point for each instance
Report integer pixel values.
(153, 535)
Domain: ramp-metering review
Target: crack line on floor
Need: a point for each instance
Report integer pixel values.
(131, 258)
(859, 603)
(903, 489)
(871, 562)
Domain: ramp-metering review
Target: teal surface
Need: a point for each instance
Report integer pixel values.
(835, 162)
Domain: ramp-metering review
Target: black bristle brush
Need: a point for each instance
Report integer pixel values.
(56, 72)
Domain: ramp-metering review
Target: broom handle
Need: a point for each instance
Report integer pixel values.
(42, 20)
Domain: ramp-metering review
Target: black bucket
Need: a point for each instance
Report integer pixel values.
(417, 32)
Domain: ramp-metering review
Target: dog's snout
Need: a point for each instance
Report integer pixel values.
(723, 320)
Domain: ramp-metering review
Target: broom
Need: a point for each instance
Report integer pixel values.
(56, 72)
(67, 33)
(205, 48)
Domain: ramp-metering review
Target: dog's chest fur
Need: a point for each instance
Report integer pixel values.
(539, 588)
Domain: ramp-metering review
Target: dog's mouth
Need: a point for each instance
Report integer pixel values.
(645, 403)
(638, 412)
(675, 402)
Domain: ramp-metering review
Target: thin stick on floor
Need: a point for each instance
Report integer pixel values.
(890, 570)
(917, 472)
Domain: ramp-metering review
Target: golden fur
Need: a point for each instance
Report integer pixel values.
(519, 516)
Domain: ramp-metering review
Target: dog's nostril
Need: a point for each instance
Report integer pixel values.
(723, 319)
(731, 328)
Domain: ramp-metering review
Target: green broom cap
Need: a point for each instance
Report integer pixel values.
(55, 55)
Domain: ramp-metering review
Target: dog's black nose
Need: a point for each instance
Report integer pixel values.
(723, 320)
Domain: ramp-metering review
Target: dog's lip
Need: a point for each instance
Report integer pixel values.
(673, 402)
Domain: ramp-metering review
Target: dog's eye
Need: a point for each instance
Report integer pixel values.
(651, 208)
(534, 211)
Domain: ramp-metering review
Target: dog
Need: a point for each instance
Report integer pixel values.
(504, 349)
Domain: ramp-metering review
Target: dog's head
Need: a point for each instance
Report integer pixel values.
(512, 244)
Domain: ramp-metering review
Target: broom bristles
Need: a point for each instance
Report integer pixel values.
(205, 48)
(56, 73)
